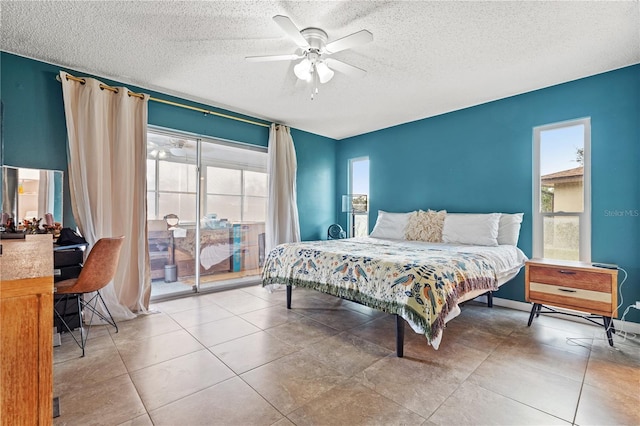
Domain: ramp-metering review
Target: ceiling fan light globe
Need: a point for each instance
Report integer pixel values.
(178, 152)
(303, 70)
(324, 72)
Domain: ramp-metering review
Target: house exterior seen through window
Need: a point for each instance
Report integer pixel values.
(562, 196)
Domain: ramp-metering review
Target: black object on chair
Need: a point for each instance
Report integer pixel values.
(98, 270)
(335, 232)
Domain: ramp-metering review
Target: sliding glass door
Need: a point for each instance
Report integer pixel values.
(206, 212)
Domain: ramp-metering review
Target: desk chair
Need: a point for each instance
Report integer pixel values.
(98, 270)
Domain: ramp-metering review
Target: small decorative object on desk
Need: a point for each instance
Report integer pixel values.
(33, 226)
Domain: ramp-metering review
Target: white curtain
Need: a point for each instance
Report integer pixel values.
(282, 215)
(107, 136)
(46, 193)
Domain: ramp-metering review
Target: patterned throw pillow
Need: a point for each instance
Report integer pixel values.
(426, 226)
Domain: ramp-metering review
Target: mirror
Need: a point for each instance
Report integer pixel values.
(29, 193)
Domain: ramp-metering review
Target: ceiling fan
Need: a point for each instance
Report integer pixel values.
(315, 51)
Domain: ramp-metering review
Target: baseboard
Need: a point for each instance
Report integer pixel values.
(629, 326)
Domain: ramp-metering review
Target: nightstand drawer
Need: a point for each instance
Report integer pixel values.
(550, 292)
(572, 278)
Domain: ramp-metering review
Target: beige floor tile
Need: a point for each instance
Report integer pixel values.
(194, 301)
(240, 302)
(490, 369)
(231, 402)
(560, 322)
(381, 331)
(279, 295)
(145, 326)
(471, 336)
(340, 319)
(625, 352)
(254, 350)
(98, 365)
(216, 332)
(69, 350)
(548, 358)
(578, 340)
(171, 380)
(496, 320)
(193, 317)
(143, 420)
(613, 377)
(554, 394)
(347, 353)
(474, 405)
(600, 407)
(418, 385)
(451, 354)
(353, 404)
(302, 333)
(284, 422)
(142, 353)
(109, 402)
(292, 381)
(271, 317)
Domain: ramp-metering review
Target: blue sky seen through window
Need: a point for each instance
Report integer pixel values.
(360, 176)
(558, 148)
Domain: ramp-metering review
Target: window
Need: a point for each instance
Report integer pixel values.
(359, 184)
(562, 191)
(220, 185)
(234, 179)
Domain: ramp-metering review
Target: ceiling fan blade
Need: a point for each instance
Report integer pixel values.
(291, 30)
(347, 42)
(345, 68)
(267, 58)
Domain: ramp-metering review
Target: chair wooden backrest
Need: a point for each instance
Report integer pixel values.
(100, 266)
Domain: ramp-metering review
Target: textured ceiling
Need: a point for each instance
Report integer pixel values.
(426, 58)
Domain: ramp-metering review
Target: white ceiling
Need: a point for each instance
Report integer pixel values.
(427, 57)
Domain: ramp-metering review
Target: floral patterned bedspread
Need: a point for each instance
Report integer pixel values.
(421, 284)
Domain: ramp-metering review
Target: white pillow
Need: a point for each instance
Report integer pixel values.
(509, 229)
(391, 225)
(475, 229)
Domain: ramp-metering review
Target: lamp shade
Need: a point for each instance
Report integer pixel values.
(324, 72)
(303, 70)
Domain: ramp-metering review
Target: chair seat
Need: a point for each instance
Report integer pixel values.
(66, 286)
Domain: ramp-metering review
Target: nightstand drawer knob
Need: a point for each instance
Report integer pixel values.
(567, 290)
(567, 272)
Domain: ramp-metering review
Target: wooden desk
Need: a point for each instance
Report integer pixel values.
(26, 330)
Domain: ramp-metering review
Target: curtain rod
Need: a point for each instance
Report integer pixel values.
(162, 101)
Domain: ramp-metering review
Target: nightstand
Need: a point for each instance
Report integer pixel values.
(571, 285)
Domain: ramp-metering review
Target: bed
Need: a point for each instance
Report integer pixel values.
(421, 283)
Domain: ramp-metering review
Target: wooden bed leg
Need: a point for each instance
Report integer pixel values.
(288, 297)
(490, 299)
(399, 336)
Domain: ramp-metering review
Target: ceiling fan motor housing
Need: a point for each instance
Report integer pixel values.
(316, 38)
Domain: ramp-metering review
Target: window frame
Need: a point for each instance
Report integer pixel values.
(584, 247)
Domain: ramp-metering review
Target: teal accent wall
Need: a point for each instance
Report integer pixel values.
(35, 136)
(479, 159)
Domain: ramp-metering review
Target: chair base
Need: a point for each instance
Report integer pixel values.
(90, 306)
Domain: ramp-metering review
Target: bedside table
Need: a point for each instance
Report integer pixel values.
(572, 285)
